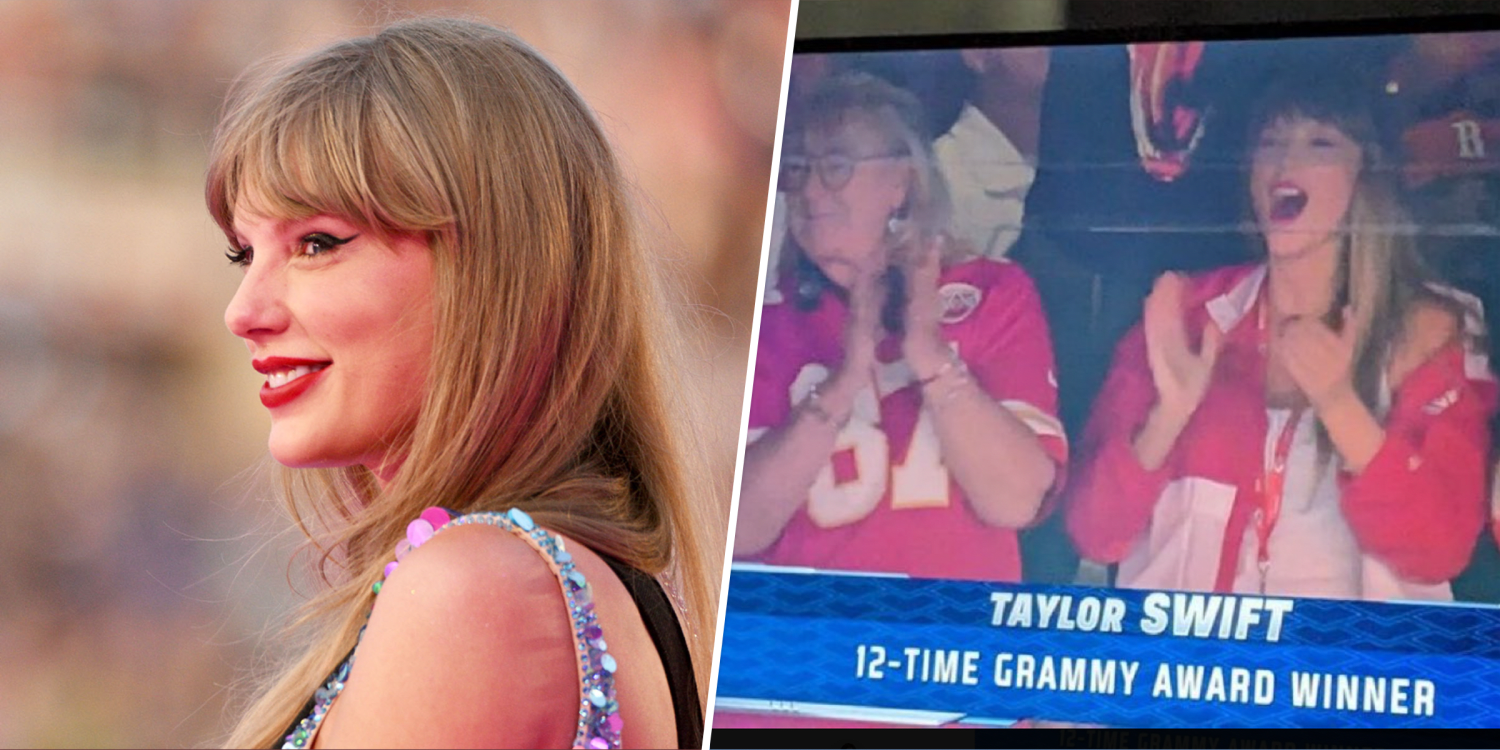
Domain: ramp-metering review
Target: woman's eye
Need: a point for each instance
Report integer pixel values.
(239, 256)
(318, 243)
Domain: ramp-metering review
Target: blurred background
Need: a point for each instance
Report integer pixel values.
(141, 555)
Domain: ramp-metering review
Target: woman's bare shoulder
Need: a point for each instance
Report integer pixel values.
(1431, 325)
(470, 644)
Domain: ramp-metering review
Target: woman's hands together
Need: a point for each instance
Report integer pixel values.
(923, 346)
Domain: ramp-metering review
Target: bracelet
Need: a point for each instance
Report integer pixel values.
(956, 386)
(947, 396)
(953, 363)
(813, 404)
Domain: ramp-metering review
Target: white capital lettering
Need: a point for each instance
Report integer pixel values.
(1470, 139)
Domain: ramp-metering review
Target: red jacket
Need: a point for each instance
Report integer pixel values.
(1417, 508)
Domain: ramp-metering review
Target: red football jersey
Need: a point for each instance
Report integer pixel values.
(922, 525)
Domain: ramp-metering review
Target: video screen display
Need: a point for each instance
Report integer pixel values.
(1130, 384)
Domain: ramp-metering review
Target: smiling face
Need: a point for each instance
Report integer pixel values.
(341, 325)
(1302, 182)
(842, 227)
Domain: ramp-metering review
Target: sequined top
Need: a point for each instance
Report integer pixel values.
(599, 721)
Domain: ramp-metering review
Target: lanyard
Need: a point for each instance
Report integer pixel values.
(1275, 487)
(1274, 477)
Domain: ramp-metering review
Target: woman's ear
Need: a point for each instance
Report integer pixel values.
(903, 196)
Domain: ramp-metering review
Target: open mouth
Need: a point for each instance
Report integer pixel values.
(1287, 202)
(279, 378)
(287, 378)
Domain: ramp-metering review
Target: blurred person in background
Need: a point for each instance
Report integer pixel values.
(903, 409)
(1443, 95)
(447, 293)
(989, 155)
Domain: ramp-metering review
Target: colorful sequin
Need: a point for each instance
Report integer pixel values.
(599, 722)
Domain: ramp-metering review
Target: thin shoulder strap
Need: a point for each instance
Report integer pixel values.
(661, 622)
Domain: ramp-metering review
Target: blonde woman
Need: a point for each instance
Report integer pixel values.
(1312, 425)
(466, 368)
(904, 410)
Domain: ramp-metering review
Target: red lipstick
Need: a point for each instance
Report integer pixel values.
(274, 397)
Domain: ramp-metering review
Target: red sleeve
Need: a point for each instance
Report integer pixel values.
(1420, 504)
(1112, 496)
(779, 356)
(1011, 359)
(777, 362)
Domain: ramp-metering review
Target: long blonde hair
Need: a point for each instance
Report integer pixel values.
(549, 381)
(1380, 273)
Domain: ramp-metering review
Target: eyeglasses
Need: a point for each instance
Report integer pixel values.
(835, 170)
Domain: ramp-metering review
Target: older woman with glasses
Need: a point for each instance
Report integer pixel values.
(903, 414)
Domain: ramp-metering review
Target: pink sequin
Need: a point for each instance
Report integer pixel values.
(402, 547)
(390, 568)
(418, 531)
(599, 743)
(616, 723)
(435, 516)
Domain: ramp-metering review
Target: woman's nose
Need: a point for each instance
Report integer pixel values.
(257, 308)
(1278, 158)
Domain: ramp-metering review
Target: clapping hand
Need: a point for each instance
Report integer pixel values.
(923, 346)
(863, 331)
(1180, 373)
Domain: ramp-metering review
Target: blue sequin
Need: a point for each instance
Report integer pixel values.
(519, 518)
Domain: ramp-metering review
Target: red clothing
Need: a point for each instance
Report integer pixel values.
(922, 525)
(1417, 508)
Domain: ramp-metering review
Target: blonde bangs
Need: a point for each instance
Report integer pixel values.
(283, 150)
